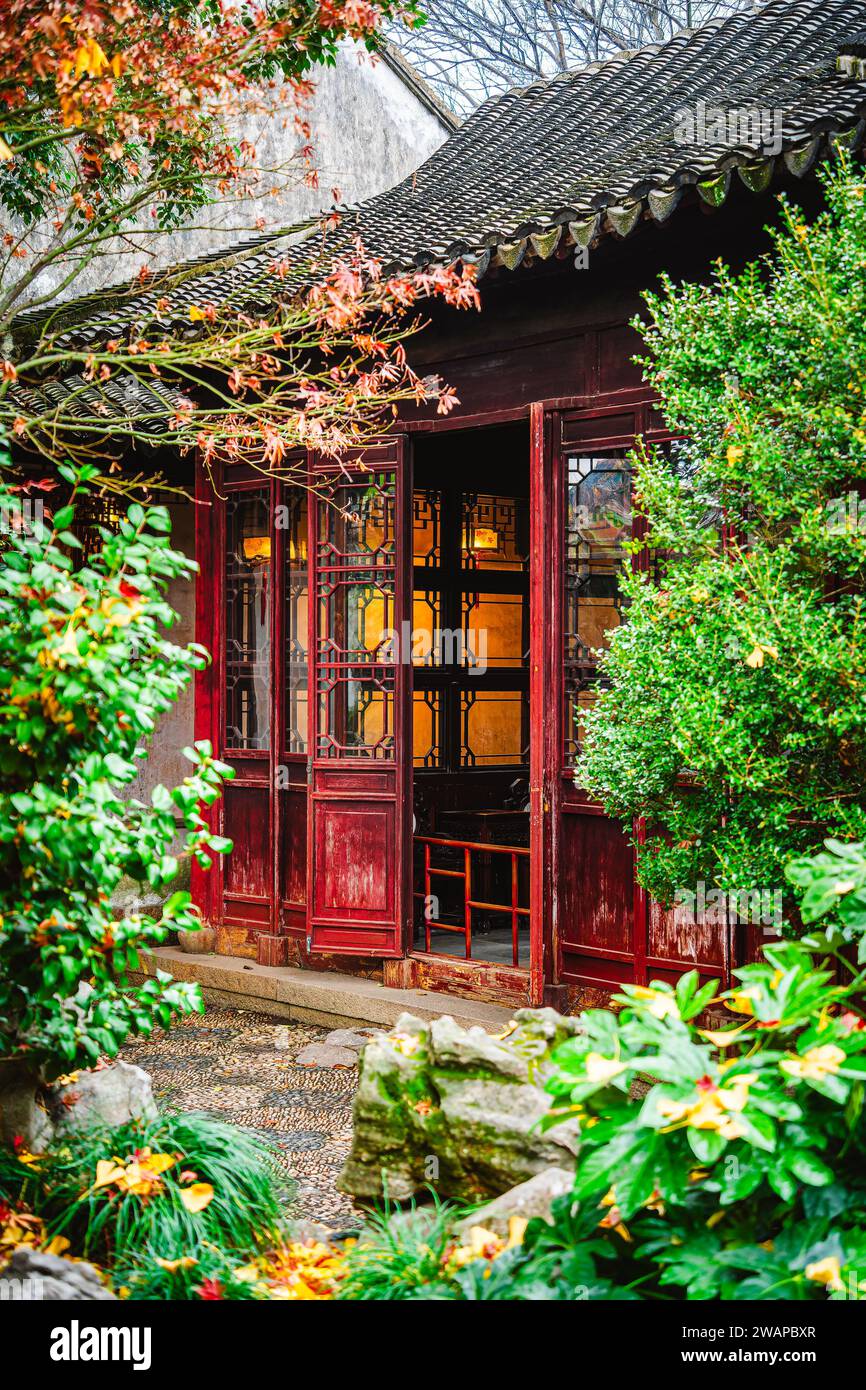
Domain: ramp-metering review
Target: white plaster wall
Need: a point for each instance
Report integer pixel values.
(166, 763)
(369, 131)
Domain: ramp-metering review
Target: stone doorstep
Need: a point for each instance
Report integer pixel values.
(314, 996)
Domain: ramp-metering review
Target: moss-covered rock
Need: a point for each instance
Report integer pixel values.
(457, 1110)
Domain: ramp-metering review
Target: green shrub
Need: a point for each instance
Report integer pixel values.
(742, 662)
(414, 1254)
(85, 674)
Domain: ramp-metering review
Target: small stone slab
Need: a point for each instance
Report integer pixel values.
(348, 1037)
(323, 1055)
(31, 1276)
(535, 1197)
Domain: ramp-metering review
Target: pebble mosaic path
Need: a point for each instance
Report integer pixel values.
(244, 1067)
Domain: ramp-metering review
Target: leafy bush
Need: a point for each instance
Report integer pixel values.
(833, 892)
(715, 1161)
(398, 1252)
(166, 1205)
(742, 1171)
(414, 1254)
(743, 660)
(85, 674)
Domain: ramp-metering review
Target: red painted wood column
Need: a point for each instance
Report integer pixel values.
(545, 694)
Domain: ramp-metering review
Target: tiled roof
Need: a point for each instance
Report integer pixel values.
(591, 151)
(605, 138)
(124, 397)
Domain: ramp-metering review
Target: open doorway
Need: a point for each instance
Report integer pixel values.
(470, 708)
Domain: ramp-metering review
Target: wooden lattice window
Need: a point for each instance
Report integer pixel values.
(471, 630)
(598, 520)
(248, 620)
(356, 570)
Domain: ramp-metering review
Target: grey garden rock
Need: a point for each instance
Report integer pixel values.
(23, 1112)
(106, 1098)
(323, 1055)
(32, 1276)
(348, 1037)
(533, 1198)
(457, 1110)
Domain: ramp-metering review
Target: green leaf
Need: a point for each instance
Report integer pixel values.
(808, 1167)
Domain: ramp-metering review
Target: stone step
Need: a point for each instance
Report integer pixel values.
(315, 996)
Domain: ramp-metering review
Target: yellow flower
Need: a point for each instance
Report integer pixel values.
(735, 453)
(599, 1070)
(613, 1221)
(185, 1262)
(57, 1246)
(741, 1003)
(755, 659)
(815, 1064)
(27, 1158)
(485, 1244)
(826, 1271)
(723, 1037)
(197, 1196)
(120, 612)
(715, 1107)
(405, 1044)
(734, 1095)
(656, 1001)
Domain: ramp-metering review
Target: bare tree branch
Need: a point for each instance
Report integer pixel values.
(470, 50)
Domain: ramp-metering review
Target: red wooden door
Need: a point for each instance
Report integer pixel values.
(360, 778)
(251, 702)
(600, 928)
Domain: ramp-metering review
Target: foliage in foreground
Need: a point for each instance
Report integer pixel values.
(85, 674)
(743, 660)
(169, 1207)
(716, 1161)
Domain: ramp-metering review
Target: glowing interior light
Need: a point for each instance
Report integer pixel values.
(257, 549)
